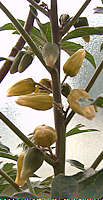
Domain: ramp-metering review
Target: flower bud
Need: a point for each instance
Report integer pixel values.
(25, 62)
(46, 82)
(44, 136)
(33, 159)
(73, 64)
(15, 64)
(50, 53)
(22, 87)
(36, 101)
(18, 180)
(86, 111)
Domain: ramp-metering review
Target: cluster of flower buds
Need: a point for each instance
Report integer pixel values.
(74, 63)
(22, 61)
(32, 95)
(86, 111)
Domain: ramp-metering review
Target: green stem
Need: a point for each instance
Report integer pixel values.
(24, 34)
(97, 161)
(30, 186)
(18, 46)
(74, 19)
(89, 86)
(23, 137)
(64, 79)
(16, 130)
(38, 7)
(10, 180)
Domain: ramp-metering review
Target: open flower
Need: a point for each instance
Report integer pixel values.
(86, 111)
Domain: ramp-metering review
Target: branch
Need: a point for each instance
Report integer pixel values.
(58, 113)
(74, 19)
(19, 45)
(10, 180)
(39, 7)
(24, 138)
(24, 34)
(89, 86)
(97, 161)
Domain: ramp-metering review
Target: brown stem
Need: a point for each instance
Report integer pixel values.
(58, 113)
(10, 180)
(89, 86)
(97, 161)
(74, 19)
(19, 45)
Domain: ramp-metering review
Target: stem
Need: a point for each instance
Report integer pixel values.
(97, 161)
(16, 130)
(19, 45)
(38, 7)
(89, 86)
(74, 19)
(10, 180)
(30, 186)
(95, 76)
(23, 137)
(64, 79)
(58, 113)
(43, 86)
(24, 34)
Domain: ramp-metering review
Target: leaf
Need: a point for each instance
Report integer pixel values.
(64, 187)
(76, 164)
(41, 29)
(8, 155)
(99, 101)
(4, 148)
(24, 195)
(76, 130)
(10, 26)
(2, 58)
(71, 48)
(78, 185)
(84, 31)
(98, 10)
(91, 187)
(101, 47)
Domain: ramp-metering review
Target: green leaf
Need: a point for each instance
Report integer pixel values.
(90, 58)
(101, 47)
(78, 185)
(84, 31)
(10, 26)
(8, 155)
(71, 48)
(24, 195)
(4, 148)
(98, 10)
(76, 164)
(64, 187)
(43, 34)
(99, 101)
(76, 130)
(91, 187)
(2, 58)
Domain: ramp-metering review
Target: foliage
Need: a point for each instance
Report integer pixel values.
(85, 184)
